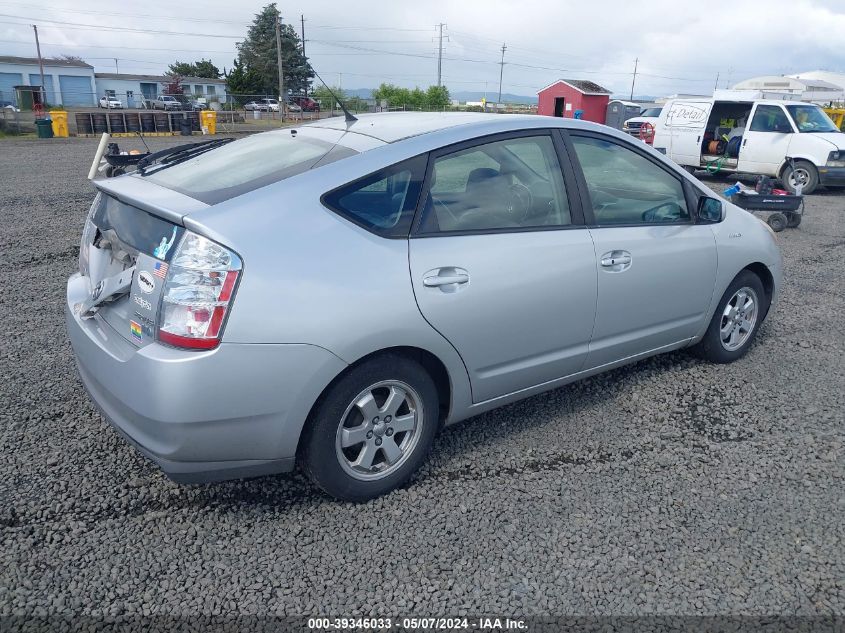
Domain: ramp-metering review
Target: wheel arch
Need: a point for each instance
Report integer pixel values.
(766, 278)
(435, 367)
(797, 157)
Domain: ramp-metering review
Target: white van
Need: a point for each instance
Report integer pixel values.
(791, 140)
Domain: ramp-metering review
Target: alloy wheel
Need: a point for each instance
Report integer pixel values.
(379, 430)
(739, 319)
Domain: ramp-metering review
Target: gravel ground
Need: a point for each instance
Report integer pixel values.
(669, 487)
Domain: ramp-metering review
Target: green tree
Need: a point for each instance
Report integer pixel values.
(323, 96)
(203, 68)
(434, 98)
(258, 54)
(437, 97)
(243, 81)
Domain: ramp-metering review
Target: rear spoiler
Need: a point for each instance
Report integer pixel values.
(143, 194)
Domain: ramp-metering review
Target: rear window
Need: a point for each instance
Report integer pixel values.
(247, 164)
(147, 233)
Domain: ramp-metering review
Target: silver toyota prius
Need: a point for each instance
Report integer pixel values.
(333, 294)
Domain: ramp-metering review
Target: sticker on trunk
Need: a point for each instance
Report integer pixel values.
(160, 270)
(164, 246)
(136, 330)
(146, 282)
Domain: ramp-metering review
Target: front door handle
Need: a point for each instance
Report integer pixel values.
(616, 261)
(448, 279)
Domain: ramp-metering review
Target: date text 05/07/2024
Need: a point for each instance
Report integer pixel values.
(425, 624)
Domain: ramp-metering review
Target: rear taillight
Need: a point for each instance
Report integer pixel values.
(200, 284)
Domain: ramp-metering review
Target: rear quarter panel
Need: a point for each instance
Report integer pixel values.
(310, 275)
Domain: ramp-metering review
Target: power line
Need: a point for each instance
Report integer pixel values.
(100, 27)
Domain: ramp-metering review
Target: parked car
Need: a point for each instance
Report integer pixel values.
(307, 104)
(110, 102)
(166, 102)
(647, 115)
(198, 105)
(420, 269)
(263, 105)
(794, 141)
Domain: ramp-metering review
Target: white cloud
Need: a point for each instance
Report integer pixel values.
(681, 46)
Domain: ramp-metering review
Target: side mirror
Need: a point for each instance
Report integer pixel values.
(710, 210)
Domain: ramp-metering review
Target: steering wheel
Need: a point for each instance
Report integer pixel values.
(666, 212)
(519, 201)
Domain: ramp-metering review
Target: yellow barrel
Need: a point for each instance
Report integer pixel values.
(208, 120)
(59, 123)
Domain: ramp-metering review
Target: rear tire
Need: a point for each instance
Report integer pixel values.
(735, 322)
(372, 429)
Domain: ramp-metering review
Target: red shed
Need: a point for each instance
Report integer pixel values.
(565, 96)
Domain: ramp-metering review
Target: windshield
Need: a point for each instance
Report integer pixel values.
(811, 118)
(247, 164)
(651, 112)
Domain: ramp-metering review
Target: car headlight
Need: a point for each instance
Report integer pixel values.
(836, 159)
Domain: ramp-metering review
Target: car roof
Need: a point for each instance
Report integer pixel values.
(394, 126)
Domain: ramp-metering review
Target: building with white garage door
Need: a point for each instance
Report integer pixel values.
(66, 82)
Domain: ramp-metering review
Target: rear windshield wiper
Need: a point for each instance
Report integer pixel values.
(174, 155)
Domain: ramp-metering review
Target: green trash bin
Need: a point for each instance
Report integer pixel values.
(44, 127)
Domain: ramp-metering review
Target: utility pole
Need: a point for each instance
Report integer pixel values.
(440, 56)
(40, 64)
(302, 22)
(116, 68)
(634, 80)
(501, 72)
(716, 85)
(282, 100)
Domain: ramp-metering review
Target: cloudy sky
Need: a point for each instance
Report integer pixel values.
(681, 46)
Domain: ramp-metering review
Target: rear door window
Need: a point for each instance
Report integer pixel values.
(503, 185)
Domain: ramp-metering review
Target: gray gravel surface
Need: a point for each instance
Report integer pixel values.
(669, 487)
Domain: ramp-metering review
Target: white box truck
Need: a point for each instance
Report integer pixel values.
(790, 140)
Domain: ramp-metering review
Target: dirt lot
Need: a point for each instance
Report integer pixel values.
(669, 487)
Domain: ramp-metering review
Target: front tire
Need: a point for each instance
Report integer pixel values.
(372, 429)
(805, 173)
(734, 325)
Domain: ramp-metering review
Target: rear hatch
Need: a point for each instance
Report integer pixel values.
(136, 223)
(124, 240)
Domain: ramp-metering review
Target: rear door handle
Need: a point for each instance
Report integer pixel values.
(616, 261)
(448, 279)
(444, 280)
